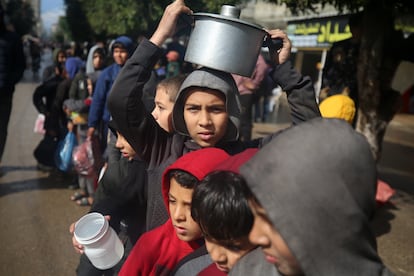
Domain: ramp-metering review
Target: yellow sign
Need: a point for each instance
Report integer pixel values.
(320, 31)
(328, 34)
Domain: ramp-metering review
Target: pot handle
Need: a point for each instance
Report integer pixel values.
(184, 21)
(274, 45)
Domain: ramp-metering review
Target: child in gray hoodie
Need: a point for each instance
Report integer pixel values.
(308, 220)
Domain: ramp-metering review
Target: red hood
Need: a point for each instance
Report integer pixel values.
(198, 163)
(234, 163)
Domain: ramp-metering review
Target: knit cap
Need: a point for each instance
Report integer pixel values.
(338, 106)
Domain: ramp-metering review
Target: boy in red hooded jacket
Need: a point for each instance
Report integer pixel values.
(158, 251)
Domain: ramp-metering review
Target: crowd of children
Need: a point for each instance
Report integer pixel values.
(196, 200)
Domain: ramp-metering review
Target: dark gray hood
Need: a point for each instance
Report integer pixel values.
(317, 182)
(212, 79)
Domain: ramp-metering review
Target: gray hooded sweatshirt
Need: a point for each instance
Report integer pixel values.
(317, 183)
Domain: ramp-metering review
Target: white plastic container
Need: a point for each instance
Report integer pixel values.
(101, 243)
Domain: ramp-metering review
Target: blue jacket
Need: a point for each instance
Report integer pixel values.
(98, 110)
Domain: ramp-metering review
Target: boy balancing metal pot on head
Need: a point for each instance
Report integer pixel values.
(206, 113)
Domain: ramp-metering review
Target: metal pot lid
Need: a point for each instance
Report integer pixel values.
(227, 18)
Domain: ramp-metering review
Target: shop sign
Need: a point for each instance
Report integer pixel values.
(318, 32)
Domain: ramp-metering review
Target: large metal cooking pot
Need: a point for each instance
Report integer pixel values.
(224, 42)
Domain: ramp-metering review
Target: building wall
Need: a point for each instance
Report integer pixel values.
(272, 16)
(36, 9)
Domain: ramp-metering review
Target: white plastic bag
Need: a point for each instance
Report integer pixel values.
(39, 124)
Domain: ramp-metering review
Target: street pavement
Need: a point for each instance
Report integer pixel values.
(36, 212)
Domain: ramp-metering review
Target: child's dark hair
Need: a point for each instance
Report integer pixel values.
(220, 206)
(118, 45)
(100, 51)
(185, 179)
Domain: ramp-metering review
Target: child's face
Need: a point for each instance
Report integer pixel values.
(124, 147)
(89, 86)
(179, 199)
(274, 247)
(120, 56)
(225, 256)
(61, 57)
(98, 61)
(163, 109)
(205, 116)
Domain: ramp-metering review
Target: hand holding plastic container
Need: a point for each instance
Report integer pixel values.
(101, 243)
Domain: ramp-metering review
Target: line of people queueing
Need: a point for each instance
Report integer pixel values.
(193, 199)
(72, 98)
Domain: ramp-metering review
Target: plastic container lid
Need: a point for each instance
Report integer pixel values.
(90, 228)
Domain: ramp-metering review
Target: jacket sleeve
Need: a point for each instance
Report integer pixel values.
(61, 94)
(73, 87)
(142, 258)
(98, 100)
(38, 95)
(125, 104)
(259, 72)
(300, 92)
(75, 105)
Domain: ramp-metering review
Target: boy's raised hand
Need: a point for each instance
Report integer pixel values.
(166, 27)
(283, 54)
